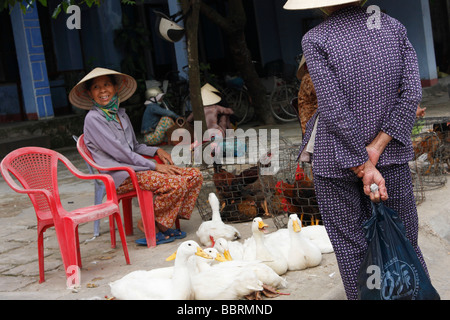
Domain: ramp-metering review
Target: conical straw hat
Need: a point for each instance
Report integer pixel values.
(210, 88)
(209, 98)
(79, 96)
(312, 4)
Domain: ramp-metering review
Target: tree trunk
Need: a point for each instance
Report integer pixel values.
(191, 26)
(243, 61)
(234, 28)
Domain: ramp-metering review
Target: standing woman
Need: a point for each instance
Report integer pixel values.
(368, 89)
(110, 138)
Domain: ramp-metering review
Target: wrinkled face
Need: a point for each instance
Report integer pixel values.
(102, 90)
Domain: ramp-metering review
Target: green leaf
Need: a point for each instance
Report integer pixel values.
(56, 12)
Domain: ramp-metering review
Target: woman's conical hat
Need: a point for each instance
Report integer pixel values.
(79, 97)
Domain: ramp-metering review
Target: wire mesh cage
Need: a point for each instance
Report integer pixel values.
(235, 180)
(431, 164)
(419, 192)
(288, 188)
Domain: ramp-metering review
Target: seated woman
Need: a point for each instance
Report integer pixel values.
(110, 137)
(216, 116)
(156, 119)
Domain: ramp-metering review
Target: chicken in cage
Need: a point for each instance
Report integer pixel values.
(431, 144)
(236, 184)
(290, 189)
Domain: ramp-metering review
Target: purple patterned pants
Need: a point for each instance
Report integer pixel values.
(344, 209)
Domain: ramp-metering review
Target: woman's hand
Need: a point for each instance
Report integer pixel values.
(167, 169)
(164, 156)
(371, 175)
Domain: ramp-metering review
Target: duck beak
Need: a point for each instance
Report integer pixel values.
(227, 255)
(262, 226)
(296, 226)
(172, 257)
(220, 258)
(202, 253)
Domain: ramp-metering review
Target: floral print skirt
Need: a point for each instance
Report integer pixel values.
(156, 137)
(174, 195)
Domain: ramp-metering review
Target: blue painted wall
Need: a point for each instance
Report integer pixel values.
(32, 67)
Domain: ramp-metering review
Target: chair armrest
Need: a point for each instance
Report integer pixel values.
(105, 178)
(155, 157)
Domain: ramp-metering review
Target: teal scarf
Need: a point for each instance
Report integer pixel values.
(110, 110)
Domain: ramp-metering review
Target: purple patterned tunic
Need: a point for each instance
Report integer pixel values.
(367, 81)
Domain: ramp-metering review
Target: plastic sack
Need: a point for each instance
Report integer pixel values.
(391, 269)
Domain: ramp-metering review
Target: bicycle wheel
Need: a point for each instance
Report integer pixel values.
(280, 100)
(239, 101)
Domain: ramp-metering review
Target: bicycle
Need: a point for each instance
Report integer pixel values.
(279, 92)
(176, 91)
(281, 96)
(237, 98)
(282, 86)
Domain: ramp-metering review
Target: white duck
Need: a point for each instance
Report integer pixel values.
(209, 283)
(231, 250)
(300, 252)
(319, 236)
(230, 283)
(255, 248)
(264, 273)
(215, 228)
(139, 285)
(196, 264)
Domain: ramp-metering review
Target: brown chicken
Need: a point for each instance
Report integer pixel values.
(231, 187)
(284, 198)
(299, 197)
(428, 144)
(246, 177)
(443, 132)
(248, 208)
(223, 181)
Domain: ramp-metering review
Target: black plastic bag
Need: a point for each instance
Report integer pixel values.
(391, 269)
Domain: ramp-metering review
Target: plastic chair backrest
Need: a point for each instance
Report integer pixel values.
(84, 151)
(36, 169)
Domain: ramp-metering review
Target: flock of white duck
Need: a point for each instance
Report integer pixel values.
(229, 269)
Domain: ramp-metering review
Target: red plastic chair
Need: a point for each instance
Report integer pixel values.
(37, 171)
(145, 198)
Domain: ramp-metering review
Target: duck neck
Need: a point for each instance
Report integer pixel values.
(216, 215)
(181, 277)
(259, 243)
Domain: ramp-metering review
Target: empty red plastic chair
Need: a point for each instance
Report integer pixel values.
(145, 198)
(37, 171)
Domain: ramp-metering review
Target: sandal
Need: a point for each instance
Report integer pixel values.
(175, 233)
(160, 239)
